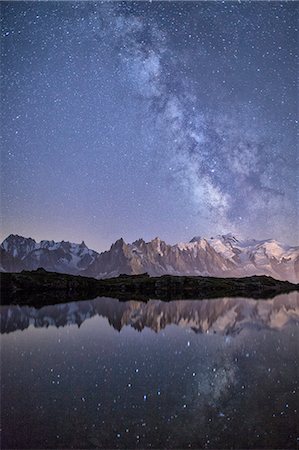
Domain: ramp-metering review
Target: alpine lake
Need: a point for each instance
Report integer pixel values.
(114, 374)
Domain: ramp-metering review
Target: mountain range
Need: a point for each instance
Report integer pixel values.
(222, 256)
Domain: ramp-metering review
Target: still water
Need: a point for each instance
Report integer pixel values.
(107, 374)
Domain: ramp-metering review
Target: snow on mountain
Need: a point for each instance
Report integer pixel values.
(222, 255)
(18, 246)
(54, 256)
(226, 246)
(263, 257)
(158, 258)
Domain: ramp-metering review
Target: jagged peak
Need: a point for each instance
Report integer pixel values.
(157, 242)
(119, 243)
(197, 239)
(17, 237)
(156, 239)
(45, 241)
(16, 244)
(139, 242)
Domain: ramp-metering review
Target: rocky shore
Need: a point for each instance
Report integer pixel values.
(49, 287)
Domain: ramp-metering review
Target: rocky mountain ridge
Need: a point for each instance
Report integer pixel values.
(223, 256)
(20, 253)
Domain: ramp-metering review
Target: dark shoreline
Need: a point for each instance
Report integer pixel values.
(42, 287)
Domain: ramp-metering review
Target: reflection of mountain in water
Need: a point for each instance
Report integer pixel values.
(224, 316)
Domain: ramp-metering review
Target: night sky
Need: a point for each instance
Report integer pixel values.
(152, 118)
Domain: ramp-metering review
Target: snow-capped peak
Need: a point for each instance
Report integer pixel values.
(226, 238)
(18, 246)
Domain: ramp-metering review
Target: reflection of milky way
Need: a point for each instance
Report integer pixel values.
(224, 316)
(156, 116)
(92, 386)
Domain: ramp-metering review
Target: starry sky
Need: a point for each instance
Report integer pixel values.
(144, 119)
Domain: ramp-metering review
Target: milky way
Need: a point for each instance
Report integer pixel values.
(141, 119)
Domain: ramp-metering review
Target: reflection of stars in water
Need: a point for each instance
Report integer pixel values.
(186, 381)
